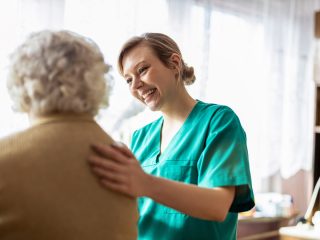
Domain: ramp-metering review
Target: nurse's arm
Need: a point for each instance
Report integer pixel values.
(119, 171)
(205, 203)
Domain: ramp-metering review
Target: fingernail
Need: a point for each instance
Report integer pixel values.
(117, 144)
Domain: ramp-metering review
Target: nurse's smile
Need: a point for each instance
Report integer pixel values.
(149, 96)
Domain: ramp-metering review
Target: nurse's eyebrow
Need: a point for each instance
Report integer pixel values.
(134, 67)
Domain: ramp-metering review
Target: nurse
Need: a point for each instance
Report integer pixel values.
(189, 169)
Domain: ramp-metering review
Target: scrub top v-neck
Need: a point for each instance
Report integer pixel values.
(176, 137)
(209, 150)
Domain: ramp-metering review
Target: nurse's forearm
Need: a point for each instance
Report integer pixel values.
(199, 202)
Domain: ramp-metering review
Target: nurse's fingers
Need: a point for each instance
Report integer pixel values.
(107, 175)
(108, 152)
(122, 188)
(99, 162)
(123, 148)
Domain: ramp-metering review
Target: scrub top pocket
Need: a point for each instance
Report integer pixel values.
(179, 170)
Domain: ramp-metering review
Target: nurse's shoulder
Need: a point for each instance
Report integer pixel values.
(219, 114)
(216, 110)
(145, 136)
(143, 131)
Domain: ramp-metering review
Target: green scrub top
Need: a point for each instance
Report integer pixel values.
(209, 150)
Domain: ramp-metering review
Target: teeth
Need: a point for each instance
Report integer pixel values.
(148, 93)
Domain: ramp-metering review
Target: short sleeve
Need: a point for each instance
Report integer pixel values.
(224, 161)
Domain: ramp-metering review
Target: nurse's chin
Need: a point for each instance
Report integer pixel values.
(153, 107)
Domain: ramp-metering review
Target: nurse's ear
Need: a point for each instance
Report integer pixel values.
(176, 64)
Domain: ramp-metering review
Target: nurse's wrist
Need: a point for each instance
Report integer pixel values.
(149, 186)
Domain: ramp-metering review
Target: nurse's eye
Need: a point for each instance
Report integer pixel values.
(142, 69)
(129, 80)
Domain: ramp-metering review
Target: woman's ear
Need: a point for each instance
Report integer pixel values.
(176, 61)
(176, 65)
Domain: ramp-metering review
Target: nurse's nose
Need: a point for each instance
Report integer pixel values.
(137, 83)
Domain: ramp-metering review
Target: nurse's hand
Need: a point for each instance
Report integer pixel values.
(118, 169)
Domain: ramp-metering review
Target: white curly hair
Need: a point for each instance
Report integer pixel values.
(58, 71)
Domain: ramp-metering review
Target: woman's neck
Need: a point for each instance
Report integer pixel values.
(174, 117)
(179, 108)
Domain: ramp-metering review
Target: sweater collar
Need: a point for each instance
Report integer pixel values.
(38, 120)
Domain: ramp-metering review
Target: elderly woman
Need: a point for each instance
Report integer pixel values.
(46, 189)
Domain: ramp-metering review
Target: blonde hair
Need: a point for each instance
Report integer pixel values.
(58, 71)
(163, 46)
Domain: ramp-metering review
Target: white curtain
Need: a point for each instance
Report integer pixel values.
(254, 55)
(258, 59)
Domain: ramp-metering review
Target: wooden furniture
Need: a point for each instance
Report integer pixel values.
(316, 163)
(299, 233)
(267, 228)
(308, 230)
